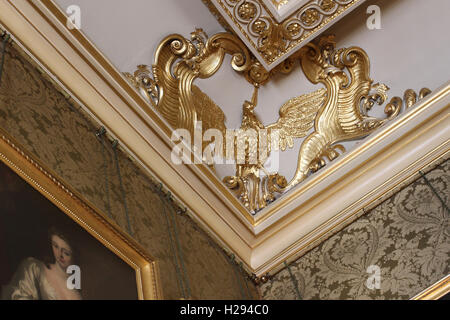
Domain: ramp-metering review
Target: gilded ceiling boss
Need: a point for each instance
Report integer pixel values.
(338, 112)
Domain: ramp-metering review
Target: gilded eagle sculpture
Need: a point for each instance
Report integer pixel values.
(335, 113)
(254, 189)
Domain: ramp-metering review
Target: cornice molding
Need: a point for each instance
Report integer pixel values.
(321, 205)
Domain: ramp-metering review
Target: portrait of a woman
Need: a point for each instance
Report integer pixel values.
(39, 244)
(46, 280)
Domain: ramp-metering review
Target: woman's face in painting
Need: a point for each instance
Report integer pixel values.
(61, 251)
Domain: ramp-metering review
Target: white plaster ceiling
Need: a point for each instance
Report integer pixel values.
(410, 51)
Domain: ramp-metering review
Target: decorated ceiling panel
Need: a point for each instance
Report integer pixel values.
(274, 30)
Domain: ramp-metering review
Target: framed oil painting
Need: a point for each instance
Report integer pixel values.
(54, 245)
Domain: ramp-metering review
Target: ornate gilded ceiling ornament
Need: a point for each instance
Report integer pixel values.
(339, 112)
(178, 62)
(273, 39)
(144, 83)
(342, 112)
(336, 113)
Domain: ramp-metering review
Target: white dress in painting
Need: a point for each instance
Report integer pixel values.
(34, 281)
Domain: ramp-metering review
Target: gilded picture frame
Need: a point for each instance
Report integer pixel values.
(84, 214)
(436, 291)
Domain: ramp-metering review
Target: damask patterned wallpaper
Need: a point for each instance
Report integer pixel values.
(407, 237)
(35, 111)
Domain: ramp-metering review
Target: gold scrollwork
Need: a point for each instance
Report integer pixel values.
(178, 62)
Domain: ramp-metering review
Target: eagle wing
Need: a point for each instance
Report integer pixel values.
(208, 112)
(297, 117)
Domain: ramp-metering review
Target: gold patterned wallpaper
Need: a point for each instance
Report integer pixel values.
(57, 131)
(406, 236)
